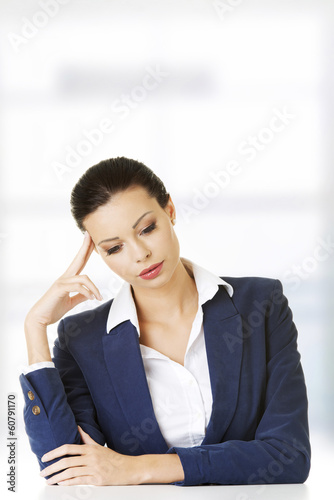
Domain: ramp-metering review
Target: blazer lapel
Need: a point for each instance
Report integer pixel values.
(125, 366)
(223, 340)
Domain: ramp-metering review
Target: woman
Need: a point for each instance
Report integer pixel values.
(187, 378)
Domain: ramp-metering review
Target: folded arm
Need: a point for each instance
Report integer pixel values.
(280, 450)
(57, 400)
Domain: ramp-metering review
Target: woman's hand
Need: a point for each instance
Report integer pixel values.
(92, 464)
(57, 301)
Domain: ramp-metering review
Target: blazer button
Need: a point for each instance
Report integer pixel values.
(36, 410)
(31, 395)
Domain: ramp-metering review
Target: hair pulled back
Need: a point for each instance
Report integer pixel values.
(103, 180)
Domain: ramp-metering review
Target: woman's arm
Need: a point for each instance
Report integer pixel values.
(50, 421)
(37, 341)
(280, 451)
(78, 395)
(48, 418)
(100, 466)
(161, 469)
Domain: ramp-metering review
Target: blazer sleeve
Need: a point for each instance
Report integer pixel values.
(77, 392)
(57, 400)
(280, 451)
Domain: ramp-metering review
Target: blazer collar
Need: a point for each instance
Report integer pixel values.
(223, 339)
(123, 307)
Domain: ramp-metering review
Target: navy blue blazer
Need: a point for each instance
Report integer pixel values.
(258, 431)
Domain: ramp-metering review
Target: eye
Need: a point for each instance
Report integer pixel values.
(149, 229)
(114, 249)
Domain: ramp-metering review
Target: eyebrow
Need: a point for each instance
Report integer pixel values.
(133, 227)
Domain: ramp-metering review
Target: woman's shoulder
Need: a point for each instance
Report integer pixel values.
(94, 315)
(250, 281)
(254, 286)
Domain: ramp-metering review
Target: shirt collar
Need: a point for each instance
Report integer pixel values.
(123, 306)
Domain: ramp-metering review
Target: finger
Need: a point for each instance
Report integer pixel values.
(65, 449)
(82, 480)
(77, 299)
(76, 287)
(64, 463)
(85, 437)
(83, 280)
(81, 257)
(68, 475)
(86, 257)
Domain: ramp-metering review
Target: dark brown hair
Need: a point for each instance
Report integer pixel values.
(100, 182)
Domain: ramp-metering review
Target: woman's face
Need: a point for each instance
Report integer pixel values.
(133, 233)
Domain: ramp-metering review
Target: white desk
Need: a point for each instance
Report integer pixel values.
(170, 492)
(31, 485)
(35, 488)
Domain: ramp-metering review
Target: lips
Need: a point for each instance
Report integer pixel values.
(150, 269)
(151, 272)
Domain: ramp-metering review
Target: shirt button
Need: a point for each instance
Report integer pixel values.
(36, 410)
(31, 395)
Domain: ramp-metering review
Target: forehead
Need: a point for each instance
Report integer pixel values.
(124, 208)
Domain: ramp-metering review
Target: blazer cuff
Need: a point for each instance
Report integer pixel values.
(49, 420)
(37, 366)
(190, 478)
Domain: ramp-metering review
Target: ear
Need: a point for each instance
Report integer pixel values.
(170, 209)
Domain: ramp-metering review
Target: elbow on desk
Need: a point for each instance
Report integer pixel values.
(304, 470)
(298, 471)
(285, 468)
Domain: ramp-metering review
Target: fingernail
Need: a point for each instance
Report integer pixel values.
(44, 458)
(86, 234)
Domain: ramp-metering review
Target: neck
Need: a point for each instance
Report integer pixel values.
(171, 300)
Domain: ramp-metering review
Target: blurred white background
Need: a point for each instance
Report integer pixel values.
(229, 102)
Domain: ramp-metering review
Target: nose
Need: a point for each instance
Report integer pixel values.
(141, 252)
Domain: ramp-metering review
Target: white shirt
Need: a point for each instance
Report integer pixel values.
(181, 395)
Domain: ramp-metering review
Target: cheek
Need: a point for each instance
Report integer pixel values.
(168, 238)
(117, 265)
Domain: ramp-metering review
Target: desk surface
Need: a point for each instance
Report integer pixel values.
(311, 490)
(31, 485)
(35, 487)
(170, 492)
